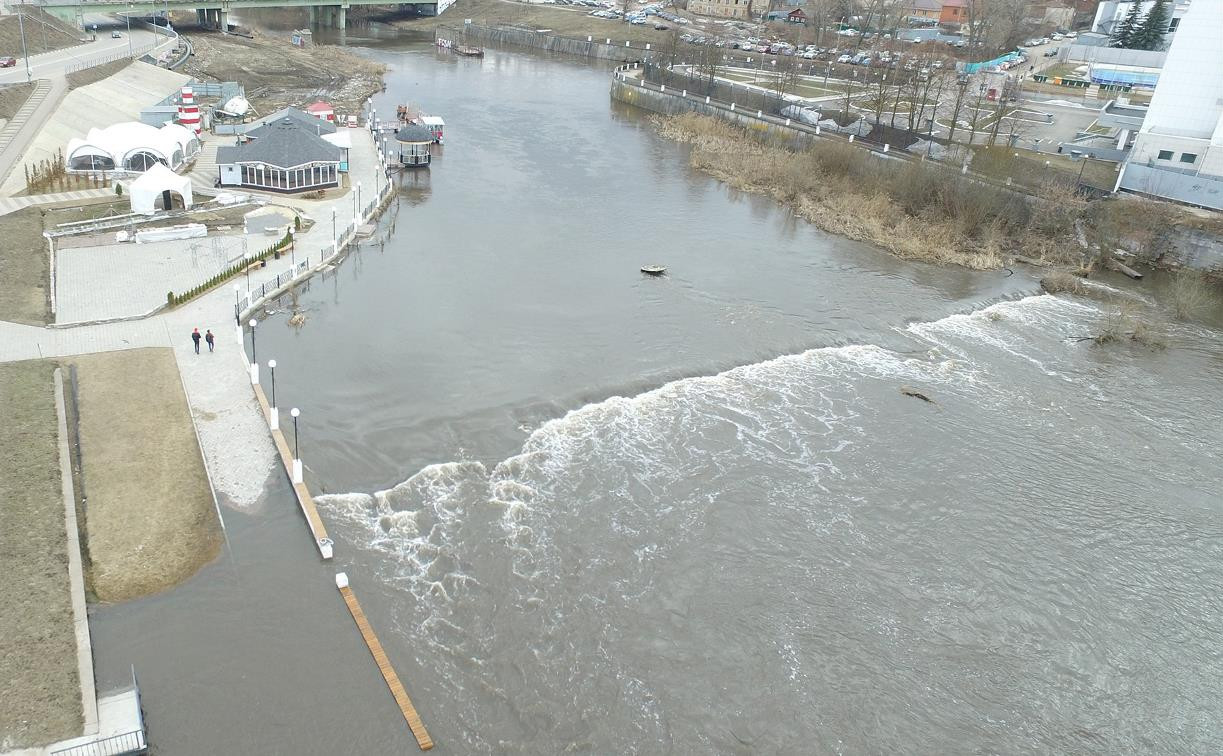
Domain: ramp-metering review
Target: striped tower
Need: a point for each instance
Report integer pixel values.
(188, 111)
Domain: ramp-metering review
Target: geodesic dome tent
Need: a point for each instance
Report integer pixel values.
(132, 147)
(159, 183)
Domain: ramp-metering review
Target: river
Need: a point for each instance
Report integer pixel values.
(593, 511)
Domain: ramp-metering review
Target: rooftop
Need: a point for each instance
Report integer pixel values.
(285, 143)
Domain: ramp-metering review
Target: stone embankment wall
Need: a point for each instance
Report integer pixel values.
(596, 48)
(667, 103)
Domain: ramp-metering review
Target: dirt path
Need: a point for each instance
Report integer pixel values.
(40, 699)
(150, 521)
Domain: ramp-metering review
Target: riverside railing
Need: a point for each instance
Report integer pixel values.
(115, 745)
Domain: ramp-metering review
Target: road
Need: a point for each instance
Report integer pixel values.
(102, 50)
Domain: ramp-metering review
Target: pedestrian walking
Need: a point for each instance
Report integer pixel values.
(195, 336)
(209, 338)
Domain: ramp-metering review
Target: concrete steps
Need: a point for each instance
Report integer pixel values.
(42, 88)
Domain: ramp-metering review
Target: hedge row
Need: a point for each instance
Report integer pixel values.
(173, 299)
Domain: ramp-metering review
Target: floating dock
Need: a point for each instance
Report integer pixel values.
(384, 665)
(304, 500)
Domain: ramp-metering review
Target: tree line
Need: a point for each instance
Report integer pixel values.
(1142, 32)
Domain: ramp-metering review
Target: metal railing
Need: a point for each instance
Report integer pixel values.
(116, 745)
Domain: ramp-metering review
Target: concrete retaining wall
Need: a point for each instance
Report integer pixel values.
(1113, 55)
(598, 49)
(1203, 191)
(673, 104)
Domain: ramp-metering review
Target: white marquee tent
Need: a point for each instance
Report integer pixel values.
(151, 186)
(132, 147)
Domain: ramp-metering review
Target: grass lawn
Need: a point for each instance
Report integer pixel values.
(1029, 167)
(40, 696)
(150, 521)
(25, 273)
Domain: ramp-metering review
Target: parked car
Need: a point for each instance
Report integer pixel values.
(116, 35)
(661, 27)
(7, 62)
(844, 58)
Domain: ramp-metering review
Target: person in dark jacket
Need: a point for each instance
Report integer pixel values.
(210, 339)
(195, 336)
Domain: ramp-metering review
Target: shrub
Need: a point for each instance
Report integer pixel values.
(1061, 281)
(1190, 294)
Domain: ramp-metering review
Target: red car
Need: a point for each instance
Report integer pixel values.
(7, 62)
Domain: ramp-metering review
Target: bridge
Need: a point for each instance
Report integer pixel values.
(213, 13)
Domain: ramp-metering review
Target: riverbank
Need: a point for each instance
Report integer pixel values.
(917, 211)
(563, 21)
(278, 74)
(40, 698)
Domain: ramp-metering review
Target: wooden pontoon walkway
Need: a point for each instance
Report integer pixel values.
(384, 665)
(304, 499)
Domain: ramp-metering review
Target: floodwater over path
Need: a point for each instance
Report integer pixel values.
(591, 511)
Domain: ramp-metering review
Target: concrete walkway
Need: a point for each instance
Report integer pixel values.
(20, 131)
(233, 434)
(13, 204)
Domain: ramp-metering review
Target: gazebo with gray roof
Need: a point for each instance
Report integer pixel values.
(414, 141)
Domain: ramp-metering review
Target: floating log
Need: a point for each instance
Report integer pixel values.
(1114, 264)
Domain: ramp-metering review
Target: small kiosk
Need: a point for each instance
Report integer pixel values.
(414, 144)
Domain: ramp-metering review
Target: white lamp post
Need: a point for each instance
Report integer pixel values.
(254, 359)
(273, 412)
(297, 462)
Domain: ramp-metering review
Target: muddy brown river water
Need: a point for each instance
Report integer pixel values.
(596, 512)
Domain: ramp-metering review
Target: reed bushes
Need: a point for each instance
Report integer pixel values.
(915, 210)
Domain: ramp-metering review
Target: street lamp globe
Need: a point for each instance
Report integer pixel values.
(295, 412)
(254, 323)
(272, 364)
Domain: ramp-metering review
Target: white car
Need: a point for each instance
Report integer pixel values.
(845, 58)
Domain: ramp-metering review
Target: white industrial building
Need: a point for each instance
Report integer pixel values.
(1178, 152)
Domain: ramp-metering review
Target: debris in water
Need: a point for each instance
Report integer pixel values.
(299, 319)
(916, 395)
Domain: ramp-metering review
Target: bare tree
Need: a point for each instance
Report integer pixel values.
(961, 90)
(979, 115)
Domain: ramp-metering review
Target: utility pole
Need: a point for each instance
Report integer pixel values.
(24, 52)
(130, 53)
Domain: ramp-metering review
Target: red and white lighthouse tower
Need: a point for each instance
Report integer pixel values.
(188, 110)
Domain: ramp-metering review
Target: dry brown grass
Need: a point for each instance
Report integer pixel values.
(1060, 282)
(150, 521)
(1127, 321)
(916, 211)
(1191, 294)
(25, 272)
(40, 698)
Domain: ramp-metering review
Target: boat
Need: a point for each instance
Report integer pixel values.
(408, 114)
(654, 270)
(460, 48)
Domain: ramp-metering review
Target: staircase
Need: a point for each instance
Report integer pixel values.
(42, 88)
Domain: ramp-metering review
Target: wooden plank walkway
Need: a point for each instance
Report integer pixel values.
(304, 499)
(384, 666)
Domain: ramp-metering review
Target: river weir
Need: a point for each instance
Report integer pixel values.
(597, 511)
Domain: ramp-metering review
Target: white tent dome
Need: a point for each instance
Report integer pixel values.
(158, 179)
(132, 146)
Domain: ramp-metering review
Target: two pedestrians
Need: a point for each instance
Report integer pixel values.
(208, 337)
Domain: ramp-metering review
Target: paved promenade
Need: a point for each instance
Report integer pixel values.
(233, 434)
